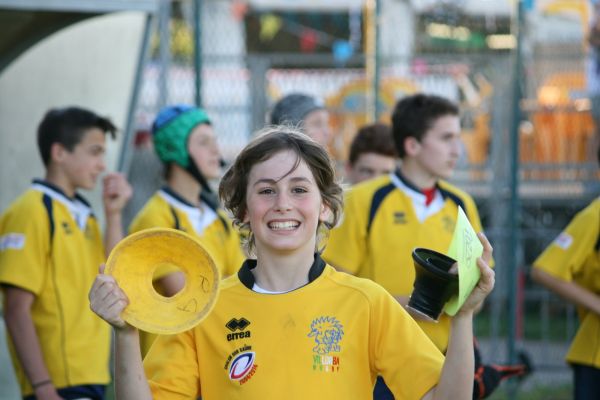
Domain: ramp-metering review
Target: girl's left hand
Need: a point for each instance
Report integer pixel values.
(486, 281)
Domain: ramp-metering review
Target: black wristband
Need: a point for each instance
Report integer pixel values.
(41, 383)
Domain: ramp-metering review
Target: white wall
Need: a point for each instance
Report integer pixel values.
(89, 64)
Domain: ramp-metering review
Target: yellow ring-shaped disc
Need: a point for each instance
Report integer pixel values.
(133, 262)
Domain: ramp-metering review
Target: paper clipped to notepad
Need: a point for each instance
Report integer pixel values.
(465, 248)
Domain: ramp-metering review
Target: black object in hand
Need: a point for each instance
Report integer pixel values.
(434, 285)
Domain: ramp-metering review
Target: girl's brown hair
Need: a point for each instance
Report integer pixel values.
(268, 142)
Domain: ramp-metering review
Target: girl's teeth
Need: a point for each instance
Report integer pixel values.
(283, 225)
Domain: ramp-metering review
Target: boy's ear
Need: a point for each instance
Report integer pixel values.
(57, 152)
(411, 146)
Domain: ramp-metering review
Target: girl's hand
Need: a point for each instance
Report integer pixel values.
(486, 281)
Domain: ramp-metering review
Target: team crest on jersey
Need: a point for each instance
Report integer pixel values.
(241, 365)
(448, 223)
(327, 333)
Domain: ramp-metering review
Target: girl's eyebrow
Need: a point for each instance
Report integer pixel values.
(271, 181)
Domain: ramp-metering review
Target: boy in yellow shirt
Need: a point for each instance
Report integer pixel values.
(50, 251)
(570, 267)
(185, 142)
(414, 206)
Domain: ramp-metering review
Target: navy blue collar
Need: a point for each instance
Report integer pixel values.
(177, 197)
(408, 183)
(414, 187)
(58, 190)
(247, 277)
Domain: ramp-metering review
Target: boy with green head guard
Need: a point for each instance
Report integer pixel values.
(185, 142)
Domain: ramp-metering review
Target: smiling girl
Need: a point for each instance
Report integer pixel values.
(288, 325)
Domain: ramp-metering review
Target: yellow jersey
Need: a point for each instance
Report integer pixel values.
(384, 220)
(574, 256)
(51, 246)
(212, 228)
(328, 339)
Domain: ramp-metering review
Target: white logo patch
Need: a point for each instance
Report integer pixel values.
(15, 241)
(564, 241)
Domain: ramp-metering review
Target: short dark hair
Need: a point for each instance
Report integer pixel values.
(374, 138)
(67, 126)
(293, 109)
(268, 142)
(414, 115)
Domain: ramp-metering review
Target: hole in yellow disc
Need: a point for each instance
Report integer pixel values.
(168, 279)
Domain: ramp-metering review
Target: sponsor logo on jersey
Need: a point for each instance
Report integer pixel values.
(399, 217)
(564, 240)
(327, 333)
(239, 325)
(13, 241)
(241, 365)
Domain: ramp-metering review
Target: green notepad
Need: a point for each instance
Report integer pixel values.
(465, 248)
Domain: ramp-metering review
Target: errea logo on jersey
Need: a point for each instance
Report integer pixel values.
(13, 241)
(234, 325)
(399, 217)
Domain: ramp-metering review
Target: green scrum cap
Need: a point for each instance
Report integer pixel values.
(171, 130)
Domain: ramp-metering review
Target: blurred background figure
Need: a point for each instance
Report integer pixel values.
(305, 112)
(372, 153)
(185, 142)
(570, 267)
(50, 251)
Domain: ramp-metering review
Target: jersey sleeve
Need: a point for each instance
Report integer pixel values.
(346, 247)
(25, 246)
(565, 256)
(400, 351)
(172, 369)
(147, 219)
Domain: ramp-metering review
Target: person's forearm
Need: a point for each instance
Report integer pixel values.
(113, 232)
(27, 347)
(456, 381)
(568, 290)
(130, 379)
